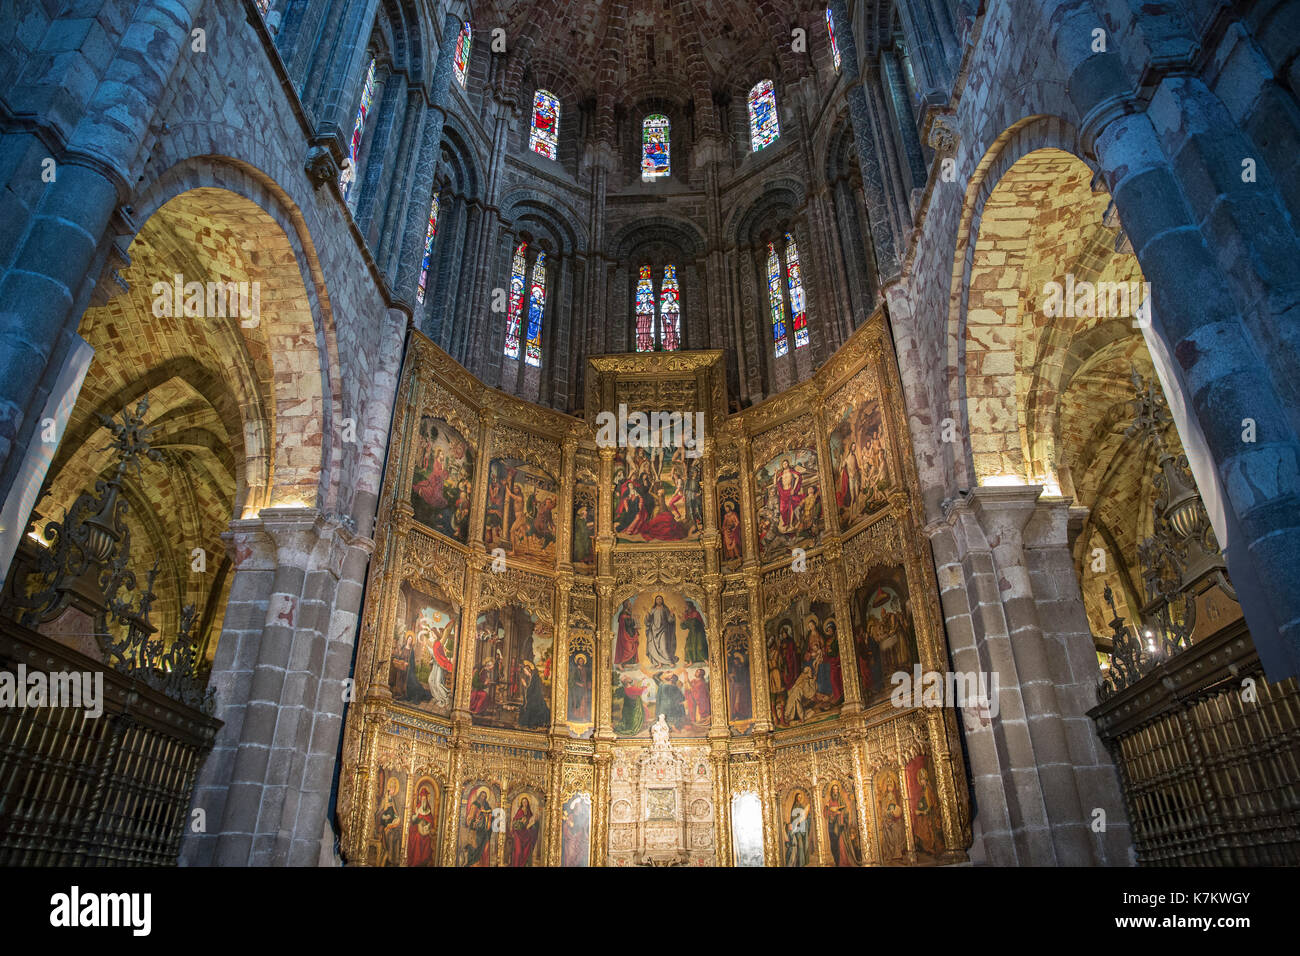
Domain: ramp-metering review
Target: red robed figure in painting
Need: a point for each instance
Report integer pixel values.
(419, 837)
(625, 649)
(789, 492)
(523, 833)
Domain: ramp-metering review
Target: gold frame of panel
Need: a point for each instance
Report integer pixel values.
(850, 746)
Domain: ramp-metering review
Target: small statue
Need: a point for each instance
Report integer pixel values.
(659, 730)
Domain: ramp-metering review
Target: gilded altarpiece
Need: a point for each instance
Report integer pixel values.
(576, 652)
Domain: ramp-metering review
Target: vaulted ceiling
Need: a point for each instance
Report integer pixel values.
(616, 48)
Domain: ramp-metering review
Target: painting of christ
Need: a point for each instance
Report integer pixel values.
(657, 495)
(443, 478)
(520, 513)
(789, 503)
(660, 665)
(859, 461)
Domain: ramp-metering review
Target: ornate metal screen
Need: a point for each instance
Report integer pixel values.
(98, 754)
(1209, 758)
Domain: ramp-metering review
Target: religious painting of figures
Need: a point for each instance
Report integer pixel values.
(747, 828)
(443, 480)
(841, 816)
(511, 686)
(798, 843)
(804, 677)
(923, 804)
(422, 831)
(581, 668)
(422, 669)
(884, 635)
(657, 495)
(789, 503)
(575, 831)
(524, 830)
(660, 665)
(386, 847)
(731, 530)
(520, 516)
(480, 809)
(584, 529)
(890, 825)
(740, 704)
(857, 449)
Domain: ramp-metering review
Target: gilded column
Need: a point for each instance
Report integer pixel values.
(600, 805)
(721, 804)
(857, 741)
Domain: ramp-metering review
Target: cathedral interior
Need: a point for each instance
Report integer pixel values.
(611, 433)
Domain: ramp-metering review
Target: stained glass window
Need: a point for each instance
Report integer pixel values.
(645, 311)
(263, 6)
(763, 128)
(349, 176)
(460, 61)
(835, 47)
(536, 308)
(428, 249)
(516, 307)
(794, 276)
(776, 301)
(545, 136)
(670, 312)
(654, 147)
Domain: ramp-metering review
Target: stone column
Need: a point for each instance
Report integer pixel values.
(860, 114)
(44, 289)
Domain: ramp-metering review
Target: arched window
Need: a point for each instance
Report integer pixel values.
(654, 147)
(670, 314)
(794, 276)
(763, 127)
(536, 309)
(263, 7)
(835, 47)
(348, 177)
(428, 249)
(645, 311)
(545, 136)
(516, 307)
(776, 300)
(460, 62)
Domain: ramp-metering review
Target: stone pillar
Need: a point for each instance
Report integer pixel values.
(280, 780)
(44, 289)
(1029, 792)
(860, 115)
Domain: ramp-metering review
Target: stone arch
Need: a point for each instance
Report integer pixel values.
(231, 372)
(296, 326)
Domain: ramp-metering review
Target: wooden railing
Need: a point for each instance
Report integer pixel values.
(1209, 757)
(83, 790)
